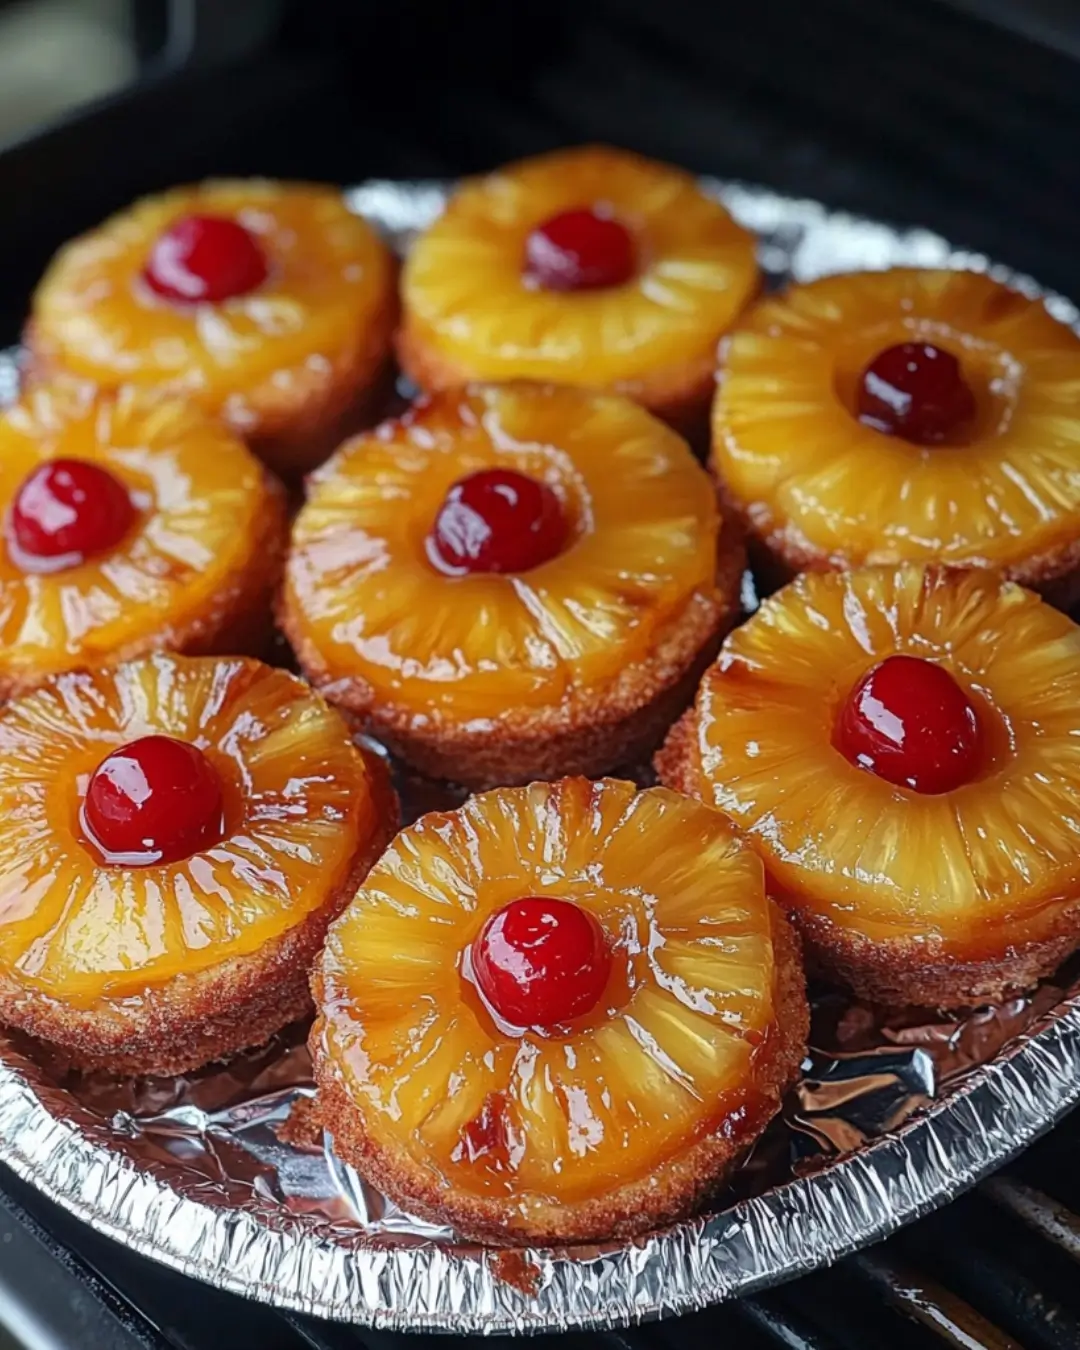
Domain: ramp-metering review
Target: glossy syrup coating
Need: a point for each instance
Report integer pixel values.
(669, 270)
(299, 804)
(622, 1114)
(428, 654)
(193, 568)
(948, 897)
(286, 360)
(821, 488)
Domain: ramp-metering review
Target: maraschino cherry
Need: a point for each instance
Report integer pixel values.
(65, 511)
(917, 391)
(156, 800)
(909, 722)
(497, 520)
(580, 250)
(541, 962)
(205, 259)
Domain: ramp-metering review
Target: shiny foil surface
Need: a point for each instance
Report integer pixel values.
(216, 1175)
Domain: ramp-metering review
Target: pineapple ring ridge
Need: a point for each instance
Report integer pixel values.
(203, 506)
(299, 806)
(468, 306)
(329, 275)
(984, 867)
(361, 590)
(683, 1044)
(824, 490)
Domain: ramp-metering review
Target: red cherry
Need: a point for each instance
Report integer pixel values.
(917, 391)
(205, 258)
(908, 721)
(541, 962)
(156, 800)
(65, 511)
(497, 520)
(580, 250)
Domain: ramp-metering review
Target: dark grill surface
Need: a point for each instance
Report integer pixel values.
(907, 111)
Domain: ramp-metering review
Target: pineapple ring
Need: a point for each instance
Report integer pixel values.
(470, 314)
(944, 899)
(625, 1117)
(288, 365)
(822, 490)
(196, 572)
(557, 669)
(150, 968)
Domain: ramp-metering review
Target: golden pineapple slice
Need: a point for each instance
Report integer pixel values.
(194, 572)
(160, 962)
(824, 490)
(471, 312)
(282, 362)
(446, 664)
(620, 1117)
(943, 896)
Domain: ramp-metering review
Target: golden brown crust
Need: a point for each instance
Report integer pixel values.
(672, 1192)
(588, 734)
(900, 971)
(675, 762)
(779, 553)
(680, 396)
(299, 427)
(194, 1019)
(292, 424)
(240, 621)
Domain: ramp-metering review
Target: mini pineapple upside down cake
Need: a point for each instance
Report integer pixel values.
(269, 303)
(178, 834)
(561, 1013)
(905, 416)
(130, 523)
(590, 266)
(512, 582)
(901, 747)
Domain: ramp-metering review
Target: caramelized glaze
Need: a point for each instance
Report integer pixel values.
(986, 865)
(667, 1055)
(298, 805)
(791, 451)
(642, 537)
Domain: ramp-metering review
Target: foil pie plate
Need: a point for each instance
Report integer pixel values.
(212, 1175)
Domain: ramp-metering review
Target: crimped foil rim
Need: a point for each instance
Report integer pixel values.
(789, 1230)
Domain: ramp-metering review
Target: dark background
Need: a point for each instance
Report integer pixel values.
(910, 110)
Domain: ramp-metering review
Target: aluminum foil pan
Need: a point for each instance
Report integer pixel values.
(216, 1175)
